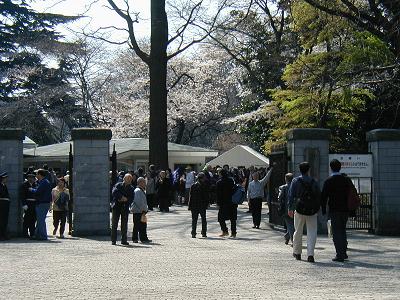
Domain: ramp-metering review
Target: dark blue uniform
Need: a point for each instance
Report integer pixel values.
(28, 199)
(4, 210)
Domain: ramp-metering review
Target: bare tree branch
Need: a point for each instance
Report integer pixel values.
(189, 20)
(133, 42)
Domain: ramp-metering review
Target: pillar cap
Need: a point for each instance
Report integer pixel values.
(12, 134)
(308, 134)
(383, 135)
(91, 134)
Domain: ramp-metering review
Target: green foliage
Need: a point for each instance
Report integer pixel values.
(334, 82)
(315, 27)
(365, 52)
(264, 52)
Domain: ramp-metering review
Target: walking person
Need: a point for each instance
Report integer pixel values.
(60, 199)
(4, 206)
(255, 195)
(227, 209)
(122, 197)
(304, 204)
(29, 206)
(139, 210)
(43, 199)
(283, 208)
(334, 194)
(198, 204)
(163, 187)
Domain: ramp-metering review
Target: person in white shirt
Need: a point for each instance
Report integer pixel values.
(190, 180)
(255, 194)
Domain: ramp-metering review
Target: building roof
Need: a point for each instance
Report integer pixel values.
(121, 146)
(28, 143)
(240, 156)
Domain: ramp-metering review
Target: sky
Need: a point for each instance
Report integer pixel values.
(97, 15)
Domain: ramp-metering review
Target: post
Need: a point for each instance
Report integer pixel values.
(11, 161)
(91, 183)
(384, 144)
(312, 145)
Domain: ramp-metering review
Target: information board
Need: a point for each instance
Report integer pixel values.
(354, 165)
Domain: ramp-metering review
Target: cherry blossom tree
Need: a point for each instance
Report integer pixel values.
(202, 91)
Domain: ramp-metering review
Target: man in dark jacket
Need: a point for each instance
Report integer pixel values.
(198, 203)
(163, 189)
(29, 205)
(227, 209)
(43, 198)
(4, 206)
(122, 198)
(334, 193)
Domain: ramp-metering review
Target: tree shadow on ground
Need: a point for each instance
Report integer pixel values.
(131, 246)
(29, 241)
(353, 265)
(246, 239)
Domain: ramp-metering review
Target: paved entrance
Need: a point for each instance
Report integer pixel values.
(256, 265)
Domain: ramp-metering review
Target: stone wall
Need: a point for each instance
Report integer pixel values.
(384, 144)
(91, 183)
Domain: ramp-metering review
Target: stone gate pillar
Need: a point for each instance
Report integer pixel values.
(384, 144)
(312, 145)
(11, 161)
(91, 184)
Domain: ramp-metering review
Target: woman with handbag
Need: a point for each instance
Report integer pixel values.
(60, 199)
(139, 210)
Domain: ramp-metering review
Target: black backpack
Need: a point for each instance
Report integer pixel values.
(308, 203)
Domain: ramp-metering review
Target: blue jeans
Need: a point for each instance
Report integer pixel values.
(41, 213)
(289, 228)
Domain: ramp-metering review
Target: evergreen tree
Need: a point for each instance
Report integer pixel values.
(33, 95)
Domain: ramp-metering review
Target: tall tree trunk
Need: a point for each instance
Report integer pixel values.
(158, 137)
(181, 129)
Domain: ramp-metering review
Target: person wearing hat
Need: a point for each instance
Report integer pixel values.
(29, 205)
(4, 206)
(198, 203)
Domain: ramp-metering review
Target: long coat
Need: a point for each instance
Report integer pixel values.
(227, 209)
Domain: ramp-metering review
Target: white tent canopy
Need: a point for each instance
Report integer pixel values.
(240, 156)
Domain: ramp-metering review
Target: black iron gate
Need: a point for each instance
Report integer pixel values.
(113, 160)
(71, 190)
(361, 219)
(279, 161)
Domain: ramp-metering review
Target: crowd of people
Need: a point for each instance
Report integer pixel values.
(300, 201)
(137, 192)
(198, 191)
(41, 192)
